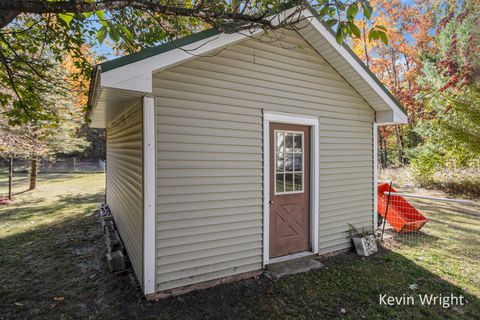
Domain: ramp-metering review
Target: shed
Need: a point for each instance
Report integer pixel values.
(230, 152)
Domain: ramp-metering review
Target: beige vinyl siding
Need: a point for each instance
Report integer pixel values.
(209, 154)
(125, 181)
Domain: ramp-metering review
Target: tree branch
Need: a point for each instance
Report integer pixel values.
(202, 11)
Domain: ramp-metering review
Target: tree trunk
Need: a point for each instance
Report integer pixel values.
(385, 153)
(380, 144)
(365, 43)
(399, 145)
(10, 177)
(33, 174)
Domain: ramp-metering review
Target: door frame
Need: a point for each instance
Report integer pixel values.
(313, 123)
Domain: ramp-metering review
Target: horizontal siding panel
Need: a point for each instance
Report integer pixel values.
(225, 188)
(210, 154)
(252, 70)
(363, 219)
(335, 215)
(124, 182)
(226, 110)
(335, 246)
(198, 247)
(187, 206)
(342, 226)
(330, 107)
(344, 205)
(191, 231)
(235, 66)
(207, 172)
(197, 214)
(208, 164)
(200, 222)
(208, 264)
(217, 236)
(202, 114)
(202, 277)
(209, 140)
(207, 131)
(206, 197)
(204, 181)
(185, 258)
(347, 182)
(273, 82)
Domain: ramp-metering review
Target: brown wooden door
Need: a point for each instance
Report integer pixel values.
(289, 189)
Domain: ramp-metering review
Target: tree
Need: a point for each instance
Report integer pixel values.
(12, 145)
(398, 63)
(37, 34)
(451, 130)
(45, 138)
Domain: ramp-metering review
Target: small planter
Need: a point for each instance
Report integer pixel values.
(365, 245)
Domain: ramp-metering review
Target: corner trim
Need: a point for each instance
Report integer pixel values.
(375, 175)
(149, 157)
(291, 118)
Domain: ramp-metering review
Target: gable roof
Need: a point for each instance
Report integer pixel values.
(131, 76)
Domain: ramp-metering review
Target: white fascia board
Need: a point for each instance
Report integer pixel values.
(383, 118)
(400, 116)
(138, 75)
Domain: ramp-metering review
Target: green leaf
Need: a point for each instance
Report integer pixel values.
(340, 35)
(331, 22)
(101, 17)
(101, 34)
(373, 35)
(332, 11)
(67, 17)
(324, 11)
(383, 37)
(381, 28)
(128, 34)
(355, 30)
(114, 34)
(87, 14)
(367, 9)
(352, 11)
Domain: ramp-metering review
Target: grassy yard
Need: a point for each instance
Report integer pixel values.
(52, 265)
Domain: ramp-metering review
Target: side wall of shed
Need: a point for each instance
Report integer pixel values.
(209, 154)
(125, 181)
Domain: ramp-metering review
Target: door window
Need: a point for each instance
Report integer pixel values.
(289, 157)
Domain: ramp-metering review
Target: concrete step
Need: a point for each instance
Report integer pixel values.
(289, 267)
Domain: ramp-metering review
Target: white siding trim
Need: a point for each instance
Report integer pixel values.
(313, 122)
(375, 175)
(149, 258)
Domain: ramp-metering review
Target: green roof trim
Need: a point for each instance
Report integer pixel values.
(170, 45)
(152, 51)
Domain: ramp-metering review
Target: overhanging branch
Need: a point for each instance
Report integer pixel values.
(202, 11)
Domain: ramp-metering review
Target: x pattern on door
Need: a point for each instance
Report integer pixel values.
(288, 220)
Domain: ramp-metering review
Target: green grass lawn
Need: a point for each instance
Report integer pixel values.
(52, 266)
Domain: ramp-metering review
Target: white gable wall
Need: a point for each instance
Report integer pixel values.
(209, 154)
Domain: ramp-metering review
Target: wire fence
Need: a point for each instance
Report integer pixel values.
(415, 219)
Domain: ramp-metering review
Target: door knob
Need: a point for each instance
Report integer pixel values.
(271, 201)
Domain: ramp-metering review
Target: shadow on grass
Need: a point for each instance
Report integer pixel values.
(14, 214)
(416, 239)
(66, 259)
